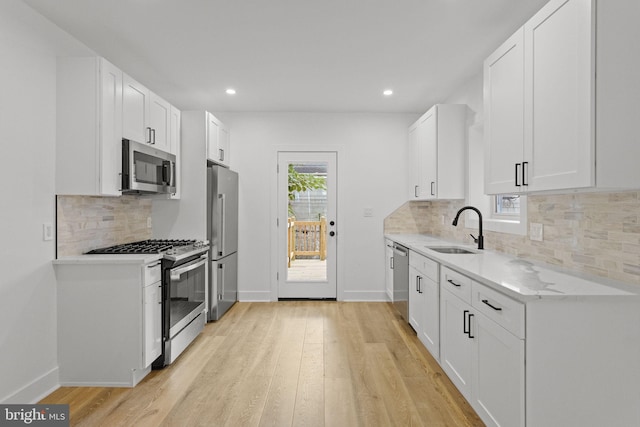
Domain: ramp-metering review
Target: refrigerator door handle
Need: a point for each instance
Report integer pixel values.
(223, 213)
(221, 281)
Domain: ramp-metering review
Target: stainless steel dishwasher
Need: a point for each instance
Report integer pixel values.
(400, 267)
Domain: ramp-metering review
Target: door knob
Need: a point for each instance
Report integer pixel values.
(332, 233)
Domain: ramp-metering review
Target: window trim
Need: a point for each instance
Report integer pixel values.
(516, 224)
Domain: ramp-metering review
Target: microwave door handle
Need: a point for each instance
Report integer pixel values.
(175, 274)
(165, 172)
(223, 213)
(172, 175)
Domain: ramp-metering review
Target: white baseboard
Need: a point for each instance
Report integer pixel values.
(374, 296)
(36, 390)
(254, 296)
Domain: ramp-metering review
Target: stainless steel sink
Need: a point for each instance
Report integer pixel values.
(450, 250)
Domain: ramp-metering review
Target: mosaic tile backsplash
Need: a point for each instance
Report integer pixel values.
(89, 222)
(596, 233)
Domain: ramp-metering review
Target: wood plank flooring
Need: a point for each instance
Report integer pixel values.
(294, 363)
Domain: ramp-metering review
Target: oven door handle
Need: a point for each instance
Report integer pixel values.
(175, 274)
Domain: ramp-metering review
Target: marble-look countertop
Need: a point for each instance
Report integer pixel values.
(108, 259)
(518, 278)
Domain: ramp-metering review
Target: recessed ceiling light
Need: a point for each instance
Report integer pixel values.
(231, 91)
(387, 92)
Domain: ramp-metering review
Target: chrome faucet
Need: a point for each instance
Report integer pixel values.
(480, 239)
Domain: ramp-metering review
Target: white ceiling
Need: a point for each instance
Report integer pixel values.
(294, 55)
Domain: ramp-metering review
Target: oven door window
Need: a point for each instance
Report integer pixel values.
(186, 292)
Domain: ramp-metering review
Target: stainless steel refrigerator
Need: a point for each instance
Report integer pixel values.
(222, 232)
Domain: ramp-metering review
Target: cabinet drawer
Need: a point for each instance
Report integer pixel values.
(424, 265)
(152, 273)
(501, 309)
(456, 283)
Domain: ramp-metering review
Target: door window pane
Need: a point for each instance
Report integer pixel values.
(307, 223)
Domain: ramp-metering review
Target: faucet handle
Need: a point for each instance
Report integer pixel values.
(475, 239)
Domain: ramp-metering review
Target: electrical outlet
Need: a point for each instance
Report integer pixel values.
(535, 231)
(148, 222)
(442, 219)
(47, 231)
(368, 212)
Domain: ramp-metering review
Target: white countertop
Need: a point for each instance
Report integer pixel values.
(516, 277)
(108, 259)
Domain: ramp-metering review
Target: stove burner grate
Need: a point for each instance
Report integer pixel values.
(151, 246)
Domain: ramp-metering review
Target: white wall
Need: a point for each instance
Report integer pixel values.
(371, 173)
(28, 47)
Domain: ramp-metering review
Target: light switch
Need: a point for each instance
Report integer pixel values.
(368, 212)
(535, 231)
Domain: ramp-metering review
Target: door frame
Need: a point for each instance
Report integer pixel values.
(273, 266)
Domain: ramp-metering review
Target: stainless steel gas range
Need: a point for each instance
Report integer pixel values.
(184, 290)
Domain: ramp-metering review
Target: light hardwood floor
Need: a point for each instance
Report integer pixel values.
(294, 363)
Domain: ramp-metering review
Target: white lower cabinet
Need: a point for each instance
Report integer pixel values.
(109, 321)
(424, 301)
(565, 358)
(455, 342)
(483, 359)
(388, 269)
(497, 382)
(152, 298)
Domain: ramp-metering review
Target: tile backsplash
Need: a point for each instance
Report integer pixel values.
(89, 222)
(596, 233)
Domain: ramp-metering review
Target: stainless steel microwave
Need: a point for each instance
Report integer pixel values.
(147, 170)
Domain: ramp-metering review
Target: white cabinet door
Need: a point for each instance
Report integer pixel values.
(224, 144)
(414, 163)
(135, 111)
(416, 300)
(110, 129)
(212, 138)
(437, 153)
(174, 130)
(498, 374)
(88, 127)
(428, 142)
(160, 121)
(430, 333)
(389, 270)
(504, 116)
(456, 341)
(152, 323)
(559, 113)
(175, 127)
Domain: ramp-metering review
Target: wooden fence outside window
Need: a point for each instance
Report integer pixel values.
(306, 238)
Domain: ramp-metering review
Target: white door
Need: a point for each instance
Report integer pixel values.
(307, 225)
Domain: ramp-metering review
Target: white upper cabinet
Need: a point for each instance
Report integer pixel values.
(159, 116)
(437, 163)
(175, 127)
(559, 139)
(89, 127)
(573, 99)
(217, 141)
(504, 116)
(145, 116)
(135, 110)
